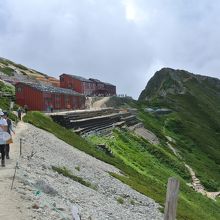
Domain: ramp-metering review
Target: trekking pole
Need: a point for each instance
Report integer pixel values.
(14, 175)
(20, 145)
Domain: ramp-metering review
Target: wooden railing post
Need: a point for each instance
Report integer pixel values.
(171, 199)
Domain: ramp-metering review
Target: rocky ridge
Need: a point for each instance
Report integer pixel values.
(170, 81)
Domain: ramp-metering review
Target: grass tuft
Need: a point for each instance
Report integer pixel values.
(65, 172)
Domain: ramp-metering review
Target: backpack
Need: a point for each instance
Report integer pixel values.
(9, 125)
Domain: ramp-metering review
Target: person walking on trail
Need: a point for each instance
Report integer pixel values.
(3, 128)
(25, 109)
(9, 130)
(51, 108)
(19, 111)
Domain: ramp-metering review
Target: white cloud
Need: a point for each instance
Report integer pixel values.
(134, 13)
(123, 42)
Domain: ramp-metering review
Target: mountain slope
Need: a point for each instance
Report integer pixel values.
(195, 121)
(10, 68)
(145, 167)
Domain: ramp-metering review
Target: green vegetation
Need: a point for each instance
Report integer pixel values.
(7, 70)
(5, 101)
(20, 66)
(7, 89)
(120, 200)
(120, 102)
(195, 123)
(10, 72)
(40, 120)
(146, 168)
(132, 202)
(77, 168)
(6, 62)
(65, 172)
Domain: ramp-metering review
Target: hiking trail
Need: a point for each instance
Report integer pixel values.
(12, 206)
(100, 103)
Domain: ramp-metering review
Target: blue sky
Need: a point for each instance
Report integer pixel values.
(123, 42)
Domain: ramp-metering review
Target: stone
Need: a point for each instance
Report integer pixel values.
(35, 206)
(45, 187)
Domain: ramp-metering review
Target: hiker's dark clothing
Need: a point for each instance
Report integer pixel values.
(7, 146)
(19, 114)
(9, 125)
(7, 149)
(2, 151)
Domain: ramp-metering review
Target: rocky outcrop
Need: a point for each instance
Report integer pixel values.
(170, 81)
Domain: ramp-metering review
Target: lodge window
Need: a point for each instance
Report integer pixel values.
(19, 89)
(84, 85)
(57, 101)
(67, 101)
(75, 102)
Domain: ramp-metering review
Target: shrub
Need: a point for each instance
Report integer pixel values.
(7, 70)
(120, 200)
(77, 168)
(65, 172)
(174, 125)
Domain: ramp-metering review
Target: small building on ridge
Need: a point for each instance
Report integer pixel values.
(88, 87)
(77, 83)
(43, 97)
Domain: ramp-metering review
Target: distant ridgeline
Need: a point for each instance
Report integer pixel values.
(194, 123)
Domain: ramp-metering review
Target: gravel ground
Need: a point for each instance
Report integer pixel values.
(52, 196)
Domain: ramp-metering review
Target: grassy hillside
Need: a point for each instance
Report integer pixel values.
(146, 167)
(8, 67)
(5, 101)
(194, 123)
(120, 102)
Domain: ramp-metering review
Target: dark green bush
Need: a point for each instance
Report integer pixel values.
(174, 125)
(7, 70)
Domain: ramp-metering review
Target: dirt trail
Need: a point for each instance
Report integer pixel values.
(198, 187)
(196, 184)
(100, 103)
(11, 204)
(140, 130)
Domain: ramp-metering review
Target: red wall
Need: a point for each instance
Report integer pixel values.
(41, 101)
(71, 83)
(87, 88)
(111, 89)
(29, 96)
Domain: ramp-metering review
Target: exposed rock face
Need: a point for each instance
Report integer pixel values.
(169, 81)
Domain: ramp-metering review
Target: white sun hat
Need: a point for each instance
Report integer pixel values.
(1, 113)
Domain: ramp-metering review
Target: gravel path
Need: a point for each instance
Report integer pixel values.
(100, 103)
(49, 195)
(12, 206)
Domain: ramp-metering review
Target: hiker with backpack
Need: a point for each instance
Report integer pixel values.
(9, 130)
(19, 111)
(3, 129)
